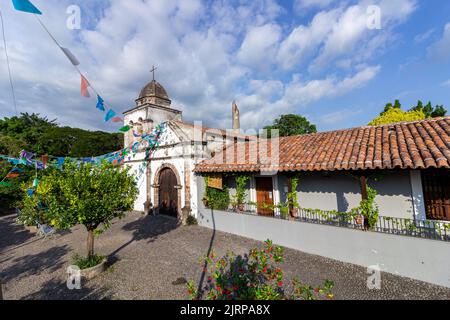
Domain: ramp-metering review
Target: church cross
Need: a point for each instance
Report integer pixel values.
(153, 71)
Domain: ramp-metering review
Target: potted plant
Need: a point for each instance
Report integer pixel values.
(205, 201)
(241, 193)
(359, 219)
(234, 203)
(292, 198)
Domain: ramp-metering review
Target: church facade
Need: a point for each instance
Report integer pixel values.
(167, 184)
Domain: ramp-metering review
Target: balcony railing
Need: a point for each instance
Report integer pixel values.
(427, 229)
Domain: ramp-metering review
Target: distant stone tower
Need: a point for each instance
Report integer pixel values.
(236, 120)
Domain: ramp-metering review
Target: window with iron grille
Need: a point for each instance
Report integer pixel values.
(436, 190)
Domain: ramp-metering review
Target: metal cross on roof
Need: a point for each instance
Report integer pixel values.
(153, 71)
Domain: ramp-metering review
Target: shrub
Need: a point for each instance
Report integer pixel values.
(254, 276)
(86, 263)
(217, 199)
(191, 221)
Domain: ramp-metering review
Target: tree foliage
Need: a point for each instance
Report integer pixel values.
(291, 125)
(393, 113)
(42, 136)
(81, 194)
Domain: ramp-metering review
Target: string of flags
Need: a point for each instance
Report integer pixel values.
(111, 115)
(149, 142)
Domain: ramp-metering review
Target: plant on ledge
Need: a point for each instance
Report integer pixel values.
(241, 192)
(253, 276)
(282, 206)
(292, 197)
(369, 208)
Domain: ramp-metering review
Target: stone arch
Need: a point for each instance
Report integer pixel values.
(156, 187)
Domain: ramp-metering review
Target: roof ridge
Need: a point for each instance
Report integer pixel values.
(367, 126)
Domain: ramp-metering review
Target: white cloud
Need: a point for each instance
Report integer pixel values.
(301, 6)
(207, 55)
(446, 83)
(421, 37)
(336, 117)
(440, 50)
(259, 46)
(303, 41)
(350, 36)
(298, 94)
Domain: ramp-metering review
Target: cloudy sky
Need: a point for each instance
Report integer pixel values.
(317, 58)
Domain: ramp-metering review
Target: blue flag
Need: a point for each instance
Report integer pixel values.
(100, 103)
(61, 162)
(25, 6)
(30, 192)
(111, 114)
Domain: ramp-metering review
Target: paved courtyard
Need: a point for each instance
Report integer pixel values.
(151, 257)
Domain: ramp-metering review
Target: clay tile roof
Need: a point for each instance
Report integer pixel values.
(406, 145)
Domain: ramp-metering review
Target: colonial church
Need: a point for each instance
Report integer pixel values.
(168, 185)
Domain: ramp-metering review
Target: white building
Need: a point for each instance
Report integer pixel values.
(169, 183)
(411, 158)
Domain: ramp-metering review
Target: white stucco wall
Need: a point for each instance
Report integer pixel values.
(339, 191)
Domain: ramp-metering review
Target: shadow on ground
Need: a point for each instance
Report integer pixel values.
(12, 234)
(50, 260)
(57, 290)
(147, 229)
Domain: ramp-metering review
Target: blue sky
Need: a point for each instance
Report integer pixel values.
(316, 58)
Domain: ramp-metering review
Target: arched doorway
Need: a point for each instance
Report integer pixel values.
(168, 193)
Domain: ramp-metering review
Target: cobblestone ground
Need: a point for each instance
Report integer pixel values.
(151, 257)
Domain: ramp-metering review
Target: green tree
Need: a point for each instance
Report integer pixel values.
(291, 125)
(39, 135)
(429, 111)
(389, 106)
(81, 194)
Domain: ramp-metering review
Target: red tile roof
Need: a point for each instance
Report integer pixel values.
(408, 145)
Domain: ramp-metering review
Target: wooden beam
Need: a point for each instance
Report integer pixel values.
(363, 184)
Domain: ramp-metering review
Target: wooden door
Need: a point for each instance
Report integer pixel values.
(168, 194)
(264, 194)
(436, 191)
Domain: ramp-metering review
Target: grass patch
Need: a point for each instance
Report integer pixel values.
(86, 263)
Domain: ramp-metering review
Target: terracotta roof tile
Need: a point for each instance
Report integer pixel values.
(415, 145)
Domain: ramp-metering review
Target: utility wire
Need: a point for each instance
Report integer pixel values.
(7, 62)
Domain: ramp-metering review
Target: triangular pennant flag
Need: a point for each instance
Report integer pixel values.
(111, 114)
(60, 162)
(136, 135)
(125, 128)
(44, 161)
(30, 192)
(70, 56)
(35, 183)
(25, 6)
(100, 103)
(5, 184)
(17, 170)
(84, 87)
(117, 119)
(12, 175)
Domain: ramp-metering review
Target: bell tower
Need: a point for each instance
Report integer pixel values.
(153, 106)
